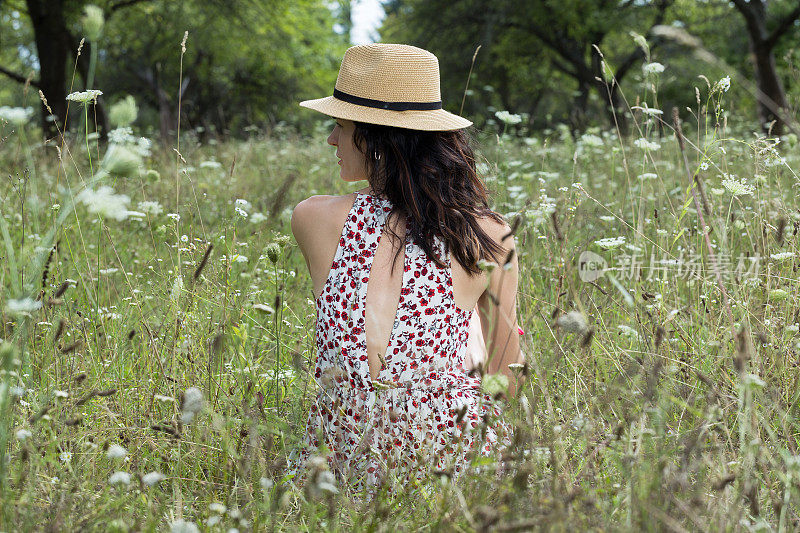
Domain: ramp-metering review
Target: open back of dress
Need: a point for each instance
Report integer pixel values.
(422, 411)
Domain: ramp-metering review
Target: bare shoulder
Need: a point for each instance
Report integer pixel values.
(497, 231)
(317, 213)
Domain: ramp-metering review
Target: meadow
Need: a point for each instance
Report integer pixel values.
(158, 332)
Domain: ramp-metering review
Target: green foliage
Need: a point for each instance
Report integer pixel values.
(246, 64)
(176, 320)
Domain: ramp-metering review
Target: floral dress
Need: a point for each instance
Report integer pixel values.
(423, 411)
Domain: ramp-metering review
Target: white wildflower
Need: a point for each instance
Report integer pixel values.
(266, 483)
(589, 139)
(150, 207)
(217, 507)
(182, 526)
(162, 398)
(17, 116)
(644, 144)
(649, 111)
(121, 135)
(61, 394)
(572, 322)
(84, 97)
(628, 331)
(211, 164)
(782, 256)
(610, 243)
(107, 271)
(23, 306)
(508, 118)
(143, 146)
(191, 404)
(264, 308)
(120, 478)
(115, 451)
(23, 434)
(65, 457)
(153, 478)
(737, 187)
(722, 85)
(104, 202)
(136, 215)
(648, 176)
(653, 68)
(258, 217)
(174, 216)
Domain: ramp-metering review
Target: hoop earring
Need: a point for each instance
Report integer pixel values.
(377, 155)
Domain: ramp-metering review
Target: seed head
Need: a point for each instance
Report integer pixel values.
(572, 322)
(120, 478)
(191, 404)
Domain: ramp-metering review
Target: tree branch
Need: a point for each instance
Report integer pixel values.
(783, 26)
(123, 4)
(563, 68)
(18, 77)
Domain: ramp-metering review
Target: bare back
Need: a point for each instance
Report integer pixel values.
(327, 215)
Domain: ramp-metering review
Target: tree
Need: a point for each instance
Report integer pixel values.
(246, 62)
(771, 95)
(559, 34)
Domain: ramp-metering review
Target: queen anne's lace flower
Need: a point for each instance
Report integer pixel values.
(22, 306)
(644, 144)
(609, 243)
(653, 68)
(105, 203)
(723, 85)
(508, 118)
(84, 97)
(16, 115)
(737, 187)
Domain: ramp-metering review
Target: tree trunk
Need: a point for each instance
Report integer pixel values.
(580, 106)
(52, 47)
(771, 96)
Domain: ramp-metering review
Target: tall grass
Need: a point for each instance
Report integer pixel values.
(184, 334)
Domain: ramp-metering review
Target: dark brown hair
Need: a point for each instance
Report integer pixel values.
(430, 177)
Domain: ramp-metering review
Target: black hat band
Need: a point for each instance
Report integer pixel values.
(391, 106)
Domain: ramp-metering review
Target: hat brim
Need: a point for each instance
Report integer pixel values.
(434, 120)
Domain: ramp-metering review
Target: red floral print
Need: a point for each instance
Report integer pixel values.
(423, 411)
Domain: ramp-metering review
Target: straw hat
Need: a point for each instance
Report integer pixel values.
(392, 85)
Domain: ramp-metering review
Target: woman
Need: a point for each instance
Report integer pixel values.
(393, 313)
